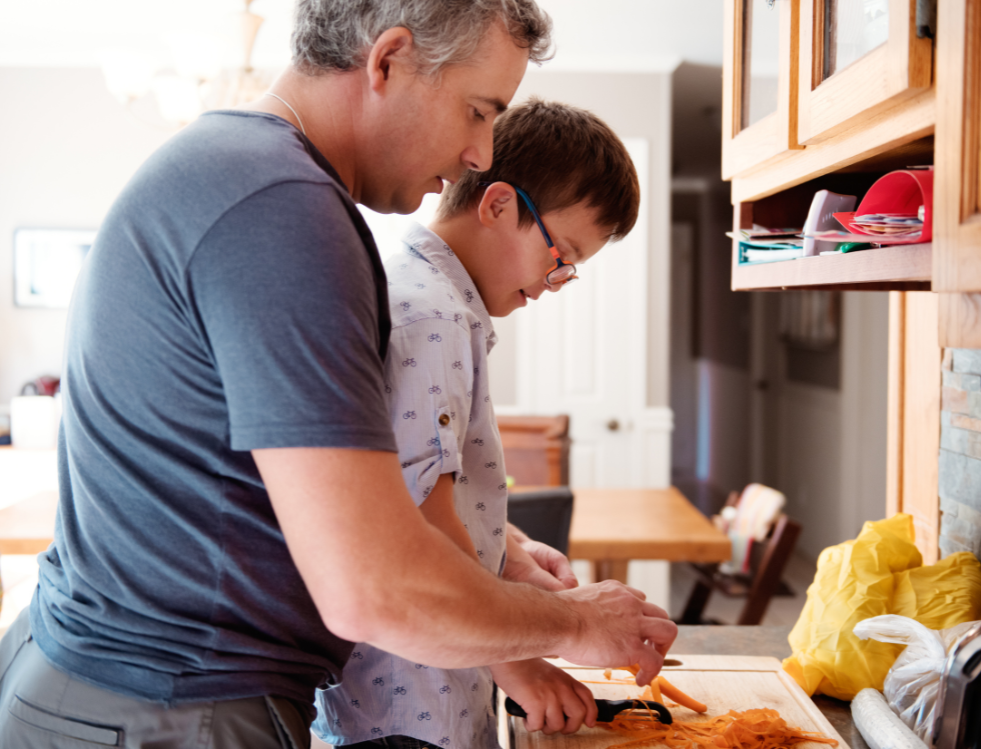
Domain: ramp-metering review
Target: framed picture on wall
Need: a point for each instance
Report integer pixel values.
(46, 264)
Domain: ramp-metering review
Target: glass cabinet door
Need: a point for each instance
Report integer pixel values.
(852, 29)
(760, 75)
(857, 58)
(761, 61)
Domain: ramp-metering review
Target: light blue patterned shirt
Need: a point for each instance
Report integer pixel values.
(436, 378)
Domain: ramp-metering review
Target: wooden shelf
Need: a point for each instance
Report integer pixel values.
(898, 268)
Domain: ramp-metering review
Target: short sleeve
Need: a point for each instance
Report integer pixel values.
(284, 291)
(430, 374)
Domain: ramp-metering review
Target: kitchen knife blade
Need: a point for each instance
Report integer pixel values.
(608, 709)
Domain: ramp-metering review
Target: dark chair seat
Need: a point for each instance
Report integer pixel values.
(545, 515)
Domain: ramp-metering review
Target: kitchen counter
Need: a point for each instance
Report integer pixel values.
(762, 640)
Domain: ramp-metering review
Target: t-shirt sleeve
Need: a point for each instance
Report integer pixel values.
(284, 292)
(430, 374)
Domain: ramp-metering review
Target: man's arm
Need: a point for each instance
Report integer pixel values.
(379, 573)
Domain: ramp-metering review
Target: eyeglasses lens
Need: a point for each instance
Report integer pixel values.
(562, 274)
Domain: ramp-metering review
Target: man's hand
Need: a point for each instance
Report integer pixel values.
(624, 629)
(536, 563)
(553, 700)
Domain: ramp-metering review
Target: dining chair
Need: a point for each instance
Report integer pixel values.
(536, 449)
(544, 514)
(758, 582)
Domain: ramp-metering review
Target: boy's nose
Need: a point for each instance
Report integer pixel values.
(536, 291)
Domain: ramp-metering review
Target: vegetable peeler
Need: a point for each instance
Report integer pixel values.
(608, 709)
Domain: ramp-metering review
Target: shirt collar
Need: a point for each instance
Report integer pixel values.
(423, 243)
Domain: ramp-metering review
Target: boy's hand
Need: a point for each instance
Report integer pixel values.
(537, 564)
(553, 700)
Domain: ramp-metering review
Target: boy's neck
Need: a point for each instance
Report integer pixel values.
(463, 234)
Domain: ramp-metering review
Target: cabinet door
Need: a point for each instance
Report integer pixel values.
(957, 189)
(759, 113)
(858, 58)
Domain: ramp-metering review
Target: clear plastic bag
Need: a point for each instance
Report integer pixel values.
(912, 683)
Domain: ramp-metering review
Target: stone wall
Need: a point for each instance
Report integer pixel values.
(960, 453)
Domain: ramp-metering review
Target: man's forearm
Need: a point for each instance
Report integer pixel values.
(378, 572)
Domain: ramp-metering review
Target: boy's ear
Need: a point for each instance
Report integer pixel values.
(392, 48)
(499, 199)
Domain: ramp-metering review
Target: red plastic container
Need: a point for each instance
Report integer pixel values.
(897, 192)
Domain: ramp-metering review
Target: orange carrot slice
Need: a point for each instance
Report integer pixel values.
(673, 693)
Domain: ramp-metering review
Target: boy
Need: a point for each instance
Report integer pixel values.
(488, 251)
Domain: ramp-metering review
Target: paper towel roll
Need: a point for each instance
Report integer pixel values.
(34, 422)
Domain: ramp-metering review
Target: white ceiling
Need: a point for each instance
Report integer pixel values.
(621, 34)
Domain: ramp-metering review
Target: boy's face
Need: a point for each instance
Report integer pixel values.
(515, 271)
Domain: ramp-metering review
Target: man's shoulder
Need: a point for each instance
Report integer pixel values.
(227, 156)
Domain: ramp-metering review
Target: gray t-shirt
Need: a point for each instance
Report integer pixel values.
(233, 299)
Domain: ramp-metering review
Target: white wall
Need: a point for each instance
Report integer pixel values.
(67, 148)
(622, 34)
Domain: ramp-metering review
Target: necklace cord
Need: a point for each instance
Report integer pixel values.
(302, 129)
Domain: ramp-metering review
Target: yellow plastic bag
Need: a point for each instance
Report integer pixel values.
(880, 572)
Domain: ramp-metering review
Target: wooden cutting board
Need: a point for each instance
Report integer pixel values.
(723, 682)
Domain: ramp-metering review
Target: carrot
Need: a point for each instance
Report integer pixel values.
(749, 729)
(673, 693)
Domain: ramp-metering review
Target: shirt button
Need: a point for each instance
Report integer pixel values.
(444, 420)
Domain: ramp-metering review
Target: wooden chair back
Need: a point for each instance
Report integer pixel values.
(536, 449)
(768, 559)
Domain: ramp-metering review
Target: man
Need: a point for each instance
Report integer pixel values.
(232, 510)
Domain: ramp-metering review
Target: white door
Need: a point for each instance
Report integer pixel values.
(584, 352)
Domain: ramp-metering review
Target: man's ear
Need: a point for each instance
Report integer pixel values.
(392, 48)
(498, 201)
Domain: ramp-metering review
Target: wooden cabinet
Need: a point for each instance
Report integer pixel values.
(957, 190)
(759, 104)
(857, 59)
(857, 112)
(914, 416)
(862, 111)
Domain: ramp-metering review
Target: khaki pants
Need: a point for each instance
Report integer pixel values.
(43, 708)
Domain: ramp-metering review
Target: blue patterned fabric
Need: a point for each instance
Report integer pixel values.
(436, 366)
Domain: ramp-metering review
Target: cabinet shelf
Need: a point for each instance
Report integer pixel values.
(897, 268)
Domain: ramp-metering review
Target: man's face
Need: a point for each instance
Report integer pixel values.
(432, 129)
(515, 271)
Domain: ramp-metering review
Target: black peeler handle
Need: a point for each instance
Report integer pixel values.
(608, 709)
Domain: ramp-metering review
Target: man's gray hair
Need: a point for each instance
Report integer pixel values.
(335, 35)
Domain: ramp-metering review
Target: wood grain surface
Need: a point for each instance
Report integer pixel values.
(624, 524)
(722, 682)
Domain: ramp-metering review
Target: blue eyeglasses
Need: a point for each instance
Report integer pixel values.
(562, 272)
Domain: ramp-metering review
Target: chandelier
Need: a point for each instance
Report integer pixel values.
(191, 78)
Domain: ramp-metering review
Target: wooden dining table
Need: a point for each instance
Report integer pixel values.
(610, 527)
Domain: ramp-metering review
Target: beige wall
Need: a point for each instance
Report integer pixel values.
(66, 150)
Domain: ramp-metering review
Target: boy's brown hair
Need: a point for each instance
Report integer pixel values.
(561, 156)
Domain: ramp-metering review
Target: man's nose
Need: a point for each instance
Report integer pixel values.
(479, 155)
